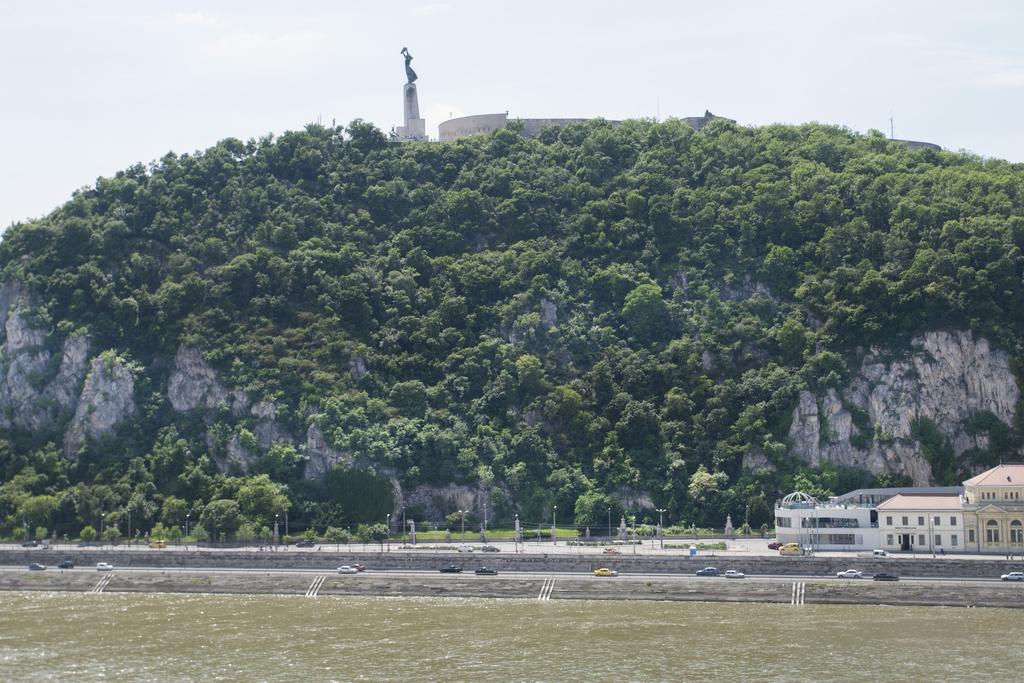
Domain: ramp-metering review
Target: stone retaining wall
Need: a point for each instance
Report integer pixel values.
(778, 591)
(539, 562)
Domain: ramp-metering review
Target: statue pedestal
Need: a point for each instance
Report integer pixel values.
(415, 128)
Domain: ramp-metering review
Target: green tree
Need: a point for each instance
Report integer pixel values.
(261, 499)
(87, 534)
(594, 509)
(646, 313)
(220, 518)
(38, 510)
(337, 535)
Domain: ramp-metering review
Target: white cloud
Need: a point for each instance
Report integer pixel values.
(432, 9)
(200, 19)
(248, 47)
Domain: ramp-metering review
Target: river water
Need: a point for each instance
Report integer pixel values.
(147, 637)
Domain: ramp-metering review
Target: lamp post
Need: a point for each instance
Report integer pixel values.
(609, 525)
(277, 528)
(285, 522)
(554, 525)
(515, 534)
(661, 531)
(187, 516)
(485, 519)
(129, 511)
(462, 514)
(403, 525)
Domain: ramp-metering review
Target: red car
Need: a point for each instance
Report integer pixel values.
(774, 545)
(359, 567)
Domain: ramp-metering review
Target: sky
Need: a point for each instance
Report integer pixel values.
(87, 89)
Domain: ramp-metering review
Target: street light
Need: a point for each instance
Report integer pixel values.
(609, 525)
(403, 525)
(661, 531)
(485, 520)
(554, 525)
(387, 523)
(463, 514)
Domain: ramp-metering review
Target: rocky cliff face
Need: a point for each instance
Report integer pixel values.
(194, 384)
(947, 378)
(320, 456)
(37, 388)
(107, 400)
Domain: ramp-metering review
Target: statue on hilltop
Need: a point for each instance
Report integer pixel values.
(409, 73)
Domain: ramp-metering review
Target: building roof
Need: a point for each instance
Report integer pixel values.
(911, 502)
(1000, 475)
(860, 494)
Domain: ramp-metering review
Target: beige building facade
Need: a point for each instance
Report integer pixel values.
(922, 523)
(994, 510)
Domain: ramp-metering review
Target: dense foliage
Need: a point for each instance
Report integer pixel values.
(599, 311)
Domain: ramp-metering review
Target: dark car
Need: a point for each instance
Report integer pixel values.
(30, 544)
(490, 549)
(36, 567)
(305, 543)
(487, 570)
(708, 571)
(451, 569)
(66, 564)
(774, 545)
(885, 577)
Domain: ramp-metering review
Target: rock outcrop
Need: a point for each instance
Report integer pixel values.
(320, 457)
(107, 400)
(947, 378)
(36, 390)
(194, 384)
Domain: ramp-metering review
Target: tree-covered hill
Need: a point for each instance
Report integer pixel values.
(598, 317)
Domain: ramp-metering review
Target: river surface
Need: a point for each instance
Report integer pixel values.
(147, 637)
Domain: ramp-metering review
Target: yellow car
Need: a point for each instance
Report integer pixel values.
(158, 544)
(604, 571)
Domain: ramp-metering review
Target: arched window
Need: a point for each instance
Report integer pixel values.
(992, 531)
(1016, 532)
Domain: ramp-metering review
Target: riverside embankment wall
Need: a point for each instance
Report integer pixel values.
(326, 560)
(311, 584)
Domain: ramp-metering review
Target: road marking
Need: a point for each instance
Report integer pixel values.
(798, 593)
(102, 583)
(545, 589)
(314, 588)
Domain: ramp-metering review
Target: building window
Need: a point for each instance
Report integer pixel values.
(920, 521)
(970, 535)
(938, 521)
(952, 521)
(991, 531)
(906, 521)
(888, 520)
(954, 541)
(920, 540)
(938, 540)
(888, 539)
(1016, 532)
(784, 522)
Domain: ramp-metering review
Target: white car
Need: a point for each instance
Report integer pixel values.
(1013, 576)
(345, 569)
(733, 574)
(849, 574)
(104, 567)
(465, 548)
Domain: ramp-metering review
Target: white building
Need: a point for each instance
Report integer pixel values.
(922, 523)
(802, 519)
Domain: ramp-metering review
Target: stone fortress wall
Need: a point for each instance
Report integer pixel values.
(477, 124)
